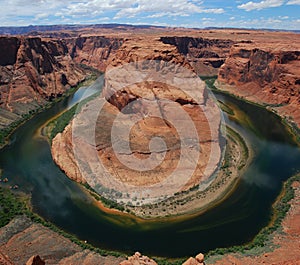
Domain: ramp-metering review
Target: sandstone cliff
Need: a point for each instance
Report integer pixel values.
(205, 55)
(265, 73)
(33, 71)
(93, 51)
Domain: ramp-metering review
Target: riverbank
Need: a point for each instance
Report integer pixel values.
(30, 235)
(278, 243)
(217, 86)
(5, 133)
(196, 200)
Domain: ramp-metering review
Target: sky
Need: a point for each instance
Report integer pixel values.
(273, 14)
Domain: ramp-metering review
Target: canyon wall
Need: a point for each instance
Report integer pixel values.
(266, 74)
(93, 51)
(35, 70)
(205, 55)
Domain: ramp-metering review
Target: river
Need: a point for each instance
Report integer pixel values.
(27, 162)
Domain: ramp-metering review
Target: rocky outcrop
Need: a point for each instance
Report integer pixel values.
(205, 55)
(265, 74)
(35, 260)
(158, 104)
(138, 259)
(198, 260)
(32, 72)
(93, 51)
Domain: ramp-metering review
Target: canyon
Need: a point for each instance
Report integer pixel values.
(39, 67)
(260, 66)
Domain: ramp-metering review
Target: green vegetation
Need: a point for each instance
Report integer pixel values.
(108, 203)
(209, 81)
(57, 126)
(10, 206)
(8, 130)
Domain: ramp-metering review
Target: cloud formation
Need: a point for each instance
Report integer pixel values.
(188, 13)
(129, 8)
(293, 2)
(249, 6)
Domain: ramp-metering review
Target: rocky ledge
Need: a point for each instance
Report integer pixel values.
(266, 73)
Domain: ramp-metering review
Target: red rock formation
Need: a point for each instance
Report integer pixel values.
(145, 98)
(33, 71)
(21, 240)
(198, 260)
(205, 55)
(138, 259)
(266, 74)
(35, 260)
(93, 51)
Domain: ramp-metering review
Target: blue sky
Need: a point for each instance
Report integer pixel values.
(282, 14)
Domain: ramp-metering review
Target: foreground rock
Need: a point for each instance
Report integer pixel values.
(22, 240)
(35, 260)
(198, 260)
(138, 259)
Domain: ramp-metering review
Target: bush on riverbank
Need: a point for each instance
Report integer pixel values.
(10, 206)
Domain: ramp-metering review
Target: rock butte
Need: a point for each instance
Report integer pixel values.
(40, 66)
(146, 99)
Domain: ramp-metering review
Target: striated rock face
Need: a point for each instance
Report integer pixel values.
(93, 51)
(160, 107)
(205, 55)
(266, 74)
(33, 71)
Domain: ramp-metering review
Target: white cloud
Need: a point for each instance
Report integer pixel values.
(293, 2)
(207, 19)
(175, 7)
(39, 10)
(249, 6)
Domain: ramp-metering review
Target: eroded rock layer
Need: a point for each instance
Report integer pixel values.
(159, 103)
(205, 55)
(35, 70)
(265, 73)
